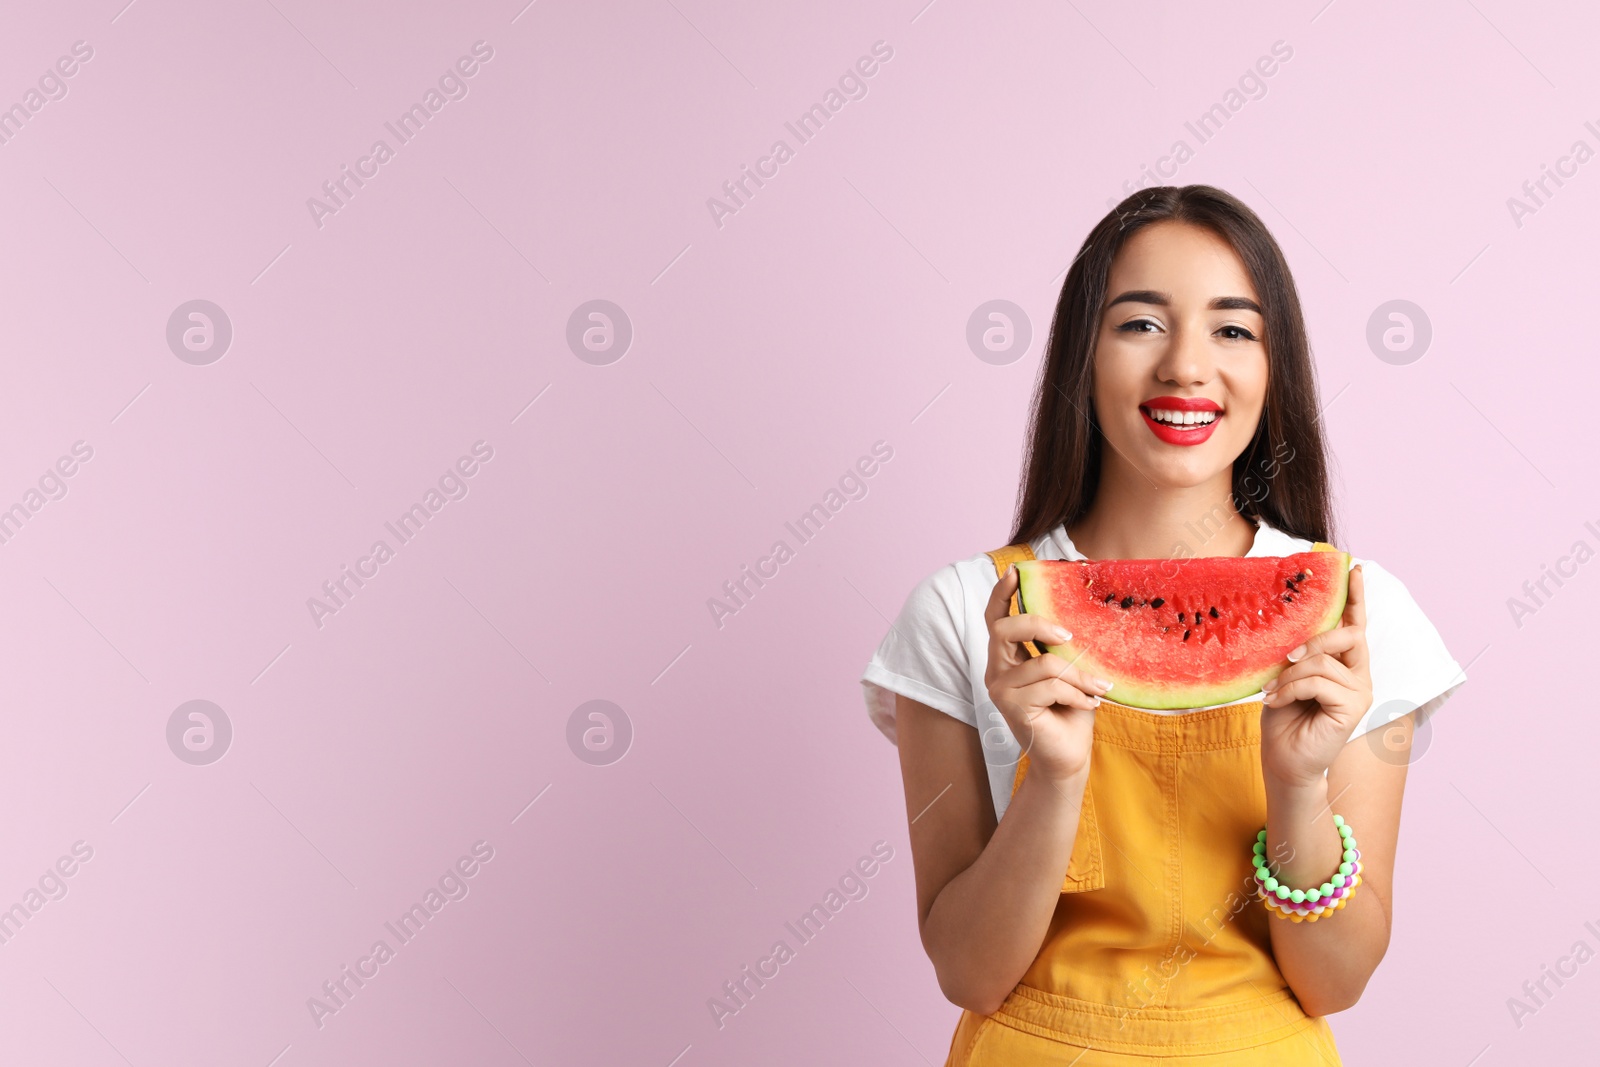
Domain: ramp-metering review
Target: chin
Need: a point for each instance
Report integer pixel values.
(1181, 471)
(1184, 478)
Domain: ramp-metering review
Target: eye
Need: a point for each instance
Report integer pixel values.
(1236, 333)
(1134, 326)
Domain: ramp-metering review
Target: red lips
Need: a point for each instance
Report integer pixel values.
(1181, 435)
(1182, 403)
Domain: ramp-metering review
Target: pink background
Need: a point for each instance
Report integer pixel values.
(768, 354)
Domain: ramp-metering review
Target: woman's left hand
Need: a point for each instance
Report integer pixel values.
(1310, 709)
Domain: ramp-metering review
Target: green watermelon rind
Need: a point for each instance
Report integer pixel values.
(1156, 697)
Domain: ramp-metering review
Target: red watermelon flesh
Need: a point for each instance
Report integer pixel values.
(1186, 633)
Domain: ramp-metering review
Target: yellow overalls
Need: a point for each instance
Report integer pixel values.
(1158, 950)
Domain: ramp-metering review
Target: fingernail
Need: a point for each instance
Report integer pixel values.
(1270, 686)
(1060, 634)
(1297, 653)
(1097, 702)
(1103, 683)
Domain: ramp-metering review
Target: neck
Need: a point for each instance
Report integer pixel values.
(1133, 518)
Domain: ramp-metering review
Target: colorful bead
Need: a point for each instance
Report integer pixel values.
(1308, 905)
(1303, 914)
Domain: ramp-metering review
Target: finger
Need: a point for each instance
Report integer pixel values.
(1004, 650)
(999, 605)
(1052, 666)
(1323, 666)
(1355, 617)
(1316, 689)
(1339, 640)
(1355, 604)
(1036, 628)
(1052, 692)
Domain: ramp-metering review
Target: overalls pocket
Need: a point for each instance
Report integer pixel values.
(1084, 869)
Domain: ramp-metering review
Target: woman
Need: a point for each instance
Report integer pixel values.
(1112, 916)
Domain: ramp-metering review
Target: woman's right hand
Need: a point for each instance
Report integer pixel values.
(1048, 703)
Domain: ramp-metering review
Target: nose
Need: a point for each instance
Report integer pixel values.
(1187, 359)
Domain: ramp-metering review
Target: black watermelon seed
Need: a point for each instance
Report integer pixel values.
(1288, 598)
(1110, 597)
(1288, 583)
(1214, 613)
(1180, 616)
(1186, 635)
(1127, 601)
(1300, 577)
(1157, 602)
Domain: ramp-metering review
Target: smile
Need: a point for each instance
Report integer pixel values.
(1181, 420)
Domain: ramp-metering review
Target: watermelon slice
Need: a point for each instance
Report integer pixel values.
(1186, 633)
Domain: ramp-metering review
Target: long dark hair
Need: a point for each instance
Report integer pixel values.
(1062, 462)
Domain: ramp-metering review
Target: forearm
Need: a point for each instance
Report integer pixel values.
(985, 927)
(1326, 963)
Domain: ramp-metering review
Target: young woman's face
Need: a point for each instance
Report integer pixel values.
(1181, 362)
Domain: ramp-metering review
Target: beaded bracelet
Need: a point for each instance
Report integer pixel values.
(1309, 905)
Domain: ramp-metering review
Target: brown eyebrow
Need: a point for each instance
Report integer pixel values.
(1151, 296)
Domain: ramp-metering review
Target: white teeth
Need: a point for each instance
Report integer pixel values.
(1183, 418)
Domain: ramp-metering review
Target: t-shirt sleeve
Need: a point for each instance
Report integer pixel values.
(1412, 670)
(923, 656)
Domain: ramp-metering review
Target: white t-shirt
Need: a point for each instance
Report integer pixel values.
(938, 648)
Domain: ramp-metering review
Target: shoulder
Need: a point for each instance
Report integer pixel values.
(1412, 668)
(1271, 541)
(955, 587)
(1387, 596)
(1393, 614)
(1402, 639)
(934, 645)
